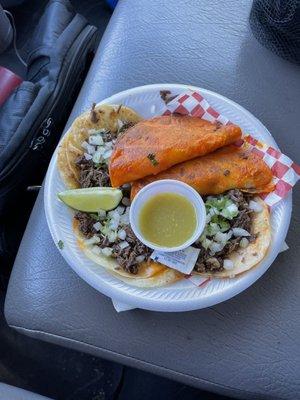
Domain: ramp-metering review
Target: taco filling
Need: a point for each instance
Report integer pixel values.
(109, 233)
(228, 228)
(229, 221)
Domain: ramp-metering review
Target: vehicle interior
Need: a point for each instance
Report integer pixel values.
(61, 338)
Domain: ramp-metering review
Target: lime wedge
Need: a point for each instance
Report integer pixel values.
(91, 199)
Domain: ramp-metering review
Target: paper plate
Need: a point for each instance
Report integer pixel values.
(181, 296)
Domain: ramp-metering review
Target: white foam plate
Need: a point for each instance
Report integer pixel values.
(180, 296)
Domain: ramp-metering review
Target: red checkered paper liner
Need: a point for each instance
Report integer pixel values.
(194, 104)
(286, 173)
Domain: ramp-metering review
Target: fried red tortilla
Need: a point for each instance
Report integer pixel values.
(228, 168)
(154, 145)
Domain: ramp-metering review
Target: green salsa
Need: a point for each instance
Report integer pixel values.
(167, 219)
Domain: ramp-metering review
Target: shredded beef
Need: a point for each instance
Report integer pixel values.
(126, 126)
(243, 220)
(109, 136)
(208, 263)
(238, 198)
(104, 242)
(231, 246)
(92, 175)
(126, 258)
(86, 222)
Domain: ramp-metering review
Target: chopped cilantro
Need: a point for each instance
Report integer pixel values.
(60, 244)
(152, 158)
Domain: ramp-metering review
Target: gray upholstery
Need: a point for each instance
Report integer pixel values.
(8, 392)
(248, 347)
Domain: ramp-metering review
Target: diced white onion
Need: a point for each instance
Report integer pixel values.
(140, 259)
(116, 218)
(228, 264)
(215, 247)
(113, 213)
(102, 214)
(123, 245)
(108, 145)
(244, 243)
(208, 218)
(255, 206)
(107, 251)
(97, 226)
(100, 149)
(114, 222)
(112, 236)
(93, 240)
(105, 230)
(122, 234)
(88, 156)
(107, 154)
(213, 211)
(206, 243)
(97, 157)
(230, 211)
(124, 219)
(222, 237)
(232, 208)
(239, 232)
(96, 250)
(120, 210)
(95, 140)
(213, 228)
(90, 149)
(126, 201)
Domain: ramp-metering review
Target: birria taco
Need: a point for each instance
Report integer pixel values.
(154, 145)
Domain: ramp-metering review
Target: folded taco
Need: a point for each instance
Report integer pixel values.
(230, 167)
(156, 144)
(89, 142)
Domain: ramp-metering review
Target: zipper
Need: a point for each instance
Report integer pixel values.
(59, 92)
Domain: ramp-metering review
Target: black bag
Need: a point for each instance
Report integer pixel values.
(276, 25)
(33, 117)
